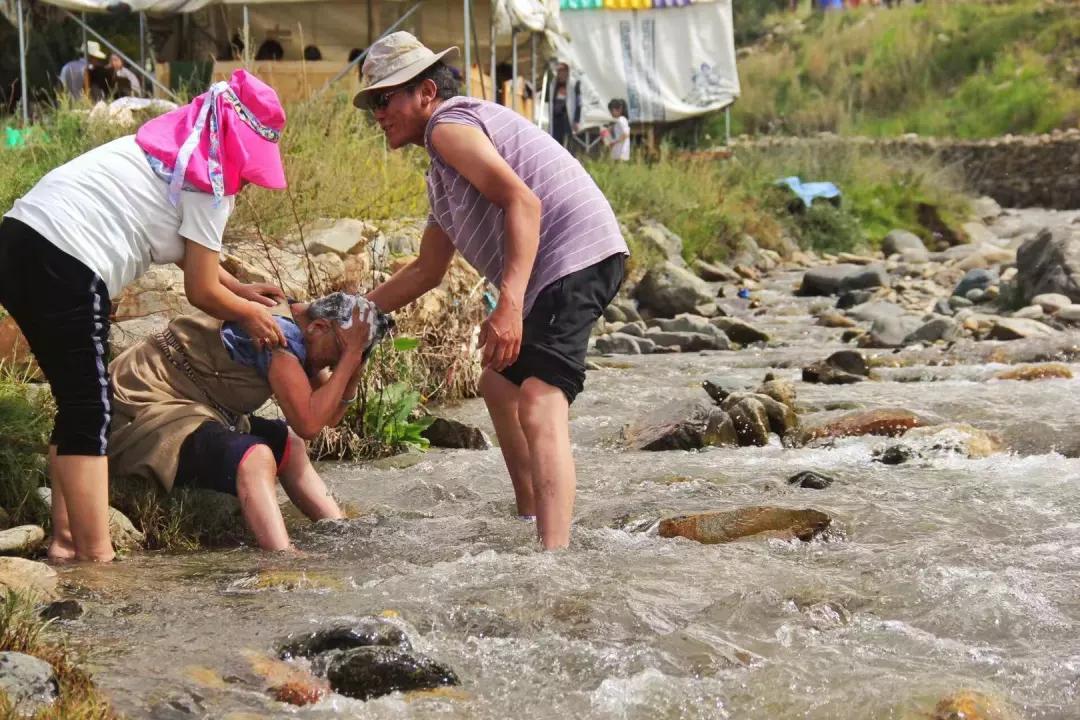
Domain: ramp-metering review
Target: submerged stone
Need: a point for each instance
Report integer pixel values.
(369, 672)
(890, 422)
(728, 525)
(366, 633)
(810, 480)
(1045, 371)
(683, 425)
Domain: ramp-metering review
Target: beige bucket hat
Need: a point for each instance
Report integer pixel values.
(395, 60)
(93, 49)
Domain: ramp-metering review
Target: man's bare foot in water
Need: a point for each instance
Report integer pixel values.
(61, 550)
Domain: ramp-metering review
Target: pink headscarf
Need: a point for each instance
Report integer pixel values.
(224, 138)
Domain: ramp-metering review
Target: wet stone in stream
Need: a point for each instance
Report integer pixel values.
(811, 480)
(368, 672)
(345, 637)
(728, 525)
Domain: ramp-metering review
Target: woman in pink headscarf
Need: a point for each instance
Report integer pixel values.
(95, 224)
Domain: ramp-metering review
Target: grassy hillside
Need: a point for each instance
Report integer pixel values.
(969, 69)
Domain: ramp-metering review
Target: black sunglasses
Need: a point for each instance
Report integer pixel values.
(381, 100)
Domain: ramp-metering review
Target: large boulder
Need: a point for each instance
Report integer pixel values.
(29, 683)
(1049, 263)
(835, 279)
(26, 576)
(739, 331)
(668, 289)
(683, 425)
(369, 672)
(751, 421)
(656, 240)
(715, 271)
(762, 522)
(889, 422)
(897, 241)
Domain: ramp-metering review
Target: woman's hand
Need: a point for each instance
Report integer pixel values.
(261, 327)
(354, 338)
(266, 294)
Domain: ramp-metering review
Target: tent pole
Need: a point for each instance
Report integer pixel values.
(514, 70)
(491, 39)
(360, 58)
(247, 36)
(22, 64)
(468, 52)
(131, 63)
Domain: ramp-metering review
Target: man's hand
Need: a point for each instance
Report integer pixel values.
(266, 294)
(500, 335)
(261, 328)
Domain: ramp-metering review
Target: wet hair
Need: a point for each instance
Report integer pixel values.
(446, 85)
(338, 308)
(621, 105)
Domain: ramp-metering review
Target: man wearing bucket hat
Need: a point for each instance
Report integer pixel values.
(74, 75)
(528, 217)
(90, 227)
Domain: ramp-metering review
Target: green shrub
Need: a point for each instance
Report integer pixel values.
(25, 424)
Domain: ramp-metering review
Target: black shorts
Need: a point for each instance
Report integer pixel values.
(62, 307)
(211, 455)
(556, 331)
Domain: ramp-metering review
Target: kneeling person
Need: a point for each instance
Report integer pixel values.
(184, 400)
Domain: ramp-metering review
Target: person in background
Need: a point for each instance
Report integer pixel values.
(618, 138)
(565, 105)
(127, 81)
(84, 74)
(523, 212)
(91, 227)
(353, 54)
(270, 50)
(312, 53)
(73, 77)
(185, 400)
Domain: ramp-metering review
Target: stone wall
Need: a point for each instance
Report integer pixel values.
(1017, 171)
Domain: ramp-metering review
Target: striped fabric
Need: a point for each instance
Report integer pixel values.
(626, 4)
(577, 225)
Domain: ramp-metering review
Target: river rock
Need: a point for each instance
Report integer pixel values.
(841, 368)
(688, 341)
(1019, 329)
(719, 388)
(613, 314)
(890, 422)
(897, 241)
(447, 433)
(715, 272)
(986, 208)
(893, 455)
(1046, 371)
(940, 328)
(369, 672)
(728, 525)
(751, 422)
(628, 308)
(739, 331)
(834, 279)
(780, 417)
(890, 332)
(365, 633)
(781, 391)
(634, 328)
(1031, 312)
(618, 344)
(975, 279)
(852, 298)
(688, 322)
(915, 257)
(21, 540)
(957, 438)
(22, 575)
(1051, 302)
(835, 319)
(810, 480)
(1049, 263)
(1070, 315)
(29, 683)
(683, 425)
(342, 237)
(62, 610)
(669, 289)
(656, 239)
(972, 705)
(876, 310)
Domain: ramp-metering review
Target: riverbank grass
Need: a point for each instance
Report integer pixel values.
(22, 630)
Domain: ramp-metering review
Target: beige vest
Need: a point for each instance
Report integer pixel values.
(156, 404)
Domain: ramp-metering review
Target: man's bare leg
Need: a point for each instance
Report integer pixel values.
(62, 547)
(544, 414)
(256, 488)
(81, 495)
(302, 483)
(501, 397)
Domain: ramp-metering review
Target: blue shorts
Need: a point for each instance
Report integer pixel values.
(211, 455)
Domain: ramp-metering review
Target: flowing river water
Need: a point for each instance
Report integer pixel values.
(938, 575)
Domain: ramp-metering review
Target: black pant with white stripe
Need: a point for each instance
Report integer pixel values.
(62, 307)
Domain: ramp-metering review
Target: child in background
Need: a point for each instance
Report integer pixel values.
(619, 138)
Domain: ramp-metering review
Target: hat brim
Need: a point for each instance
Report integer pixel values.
(98, 55)
(362, 99)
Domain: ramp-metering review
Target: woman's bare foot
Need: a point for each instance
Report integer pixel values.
(61, 551)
